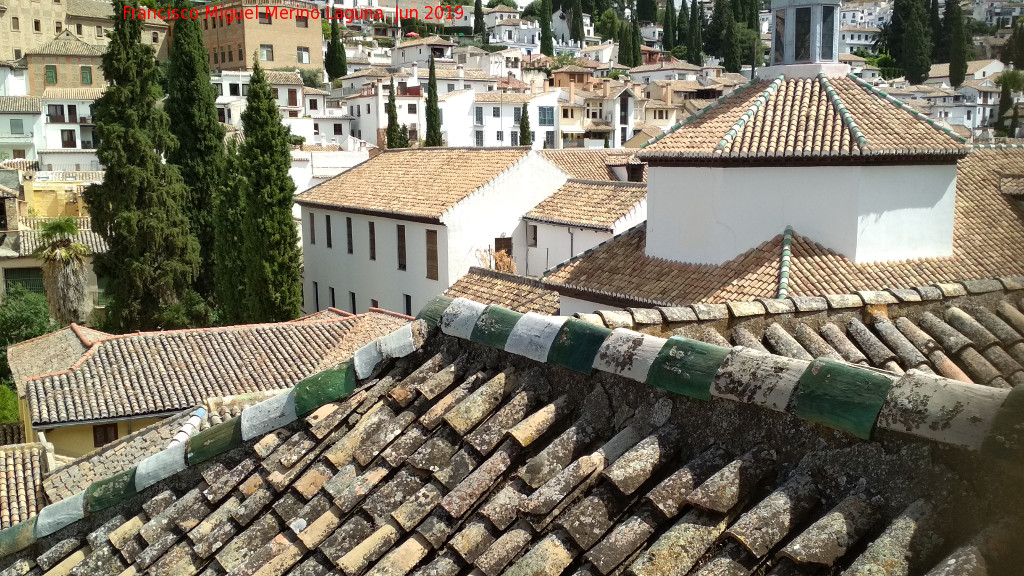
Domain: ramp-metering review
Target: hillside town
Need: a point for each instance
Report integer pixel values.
(511, 287)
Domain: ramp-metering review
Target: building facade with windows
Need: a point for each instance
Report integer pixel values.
(69, 130)
(21, 127)
(65, 62)
(279, 36)
(496, 115)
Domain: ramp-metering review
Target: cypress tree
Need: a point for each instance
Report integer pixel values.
(1014, 123)
(576, 22)
(716, 28)
(433, 110)
(139, 208)
(270, 242)
(547, 43)
(199, 155)
(935, 25)
(1018, 47)
(478, 18)
(916, 60)
(956, 43)
(682, 25)
(729, 46)
(668, 27)
(693, 49)
(646, 10)
(1005, 103)
(525, 138)
(637, 42)
(626, 45)
(227, 234)
(394, 131)
(336, 64)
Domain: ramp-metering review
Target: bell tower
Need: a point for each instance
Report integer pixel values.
(805, 39)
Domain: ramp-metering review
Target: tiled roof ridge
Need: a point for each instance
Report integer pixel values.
(844, 114)
(699, 113)
(906, 107)
(95, 344)
(85, 340)
(766, 95)
(1000, 146)
(519, 161)
(579, 256)
(785, 260)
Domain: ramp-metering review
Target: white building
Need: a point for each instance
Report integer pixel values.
(560, 29)
(401, 228)
(493, 64)
(232, 87)
(492, 16)
(317, 163)
(853, 38)
(419, 50)
(13, 79)
(522, 35)
(69, 136)
(496, 116)
(369, 115)
(676, 70)
(976, 70)
(21, 127)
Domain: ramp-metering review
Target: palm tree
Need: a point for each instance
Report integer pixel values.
(64, 270)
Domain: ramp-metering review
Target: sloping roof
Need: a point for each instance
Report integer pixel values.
(676, 65)
(573, 69)
(590, 203)
(6, 192)
(59, 93)
(314, 91)
(428, 40)
(443, 73)
(31, 239)
(14, 432)
(410, 193)
(812, 119)
(66, 44)
(973, 66)
(510, 97)
(283, 77)
(20, 104)
(988, 241)
(1012, 184)
(161, 372)
(509, 290)
(438, 452)
(585, 164)
(90, 9)
(21, 479)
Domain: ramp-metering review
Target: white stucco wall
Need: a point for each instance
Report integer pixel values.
(869, 214)
(555, 244)
(569, 306)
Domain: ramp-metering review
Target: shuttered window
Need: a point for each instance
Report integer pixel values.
(401, 247)
(432, 254)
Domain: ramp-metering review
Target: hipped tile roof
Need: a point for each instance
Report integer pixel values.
(66, 44)
(161, 372)
(428, 40)
(283, 77)
(590, 203)
(988, 241)
(59, 93)
(817, 118)
(395, 183)
(450, 455)
(31, 240)
(509, 290)
(586, 164)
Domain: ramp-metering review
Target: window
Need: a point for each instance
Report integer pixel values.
(302, 22)
(19, 154)
(517, 114)
(374, 304)
(99, 31)
(401, 246)
(412, 108)
(408, 304)
(302, 55)
(313, 105)
(330, 231)
(432, 254)
(547, 115)
(348, 234)
(338, 130)
(103, 434)
(215, 61)
(17, 126)
(57, 26)
(803, 35)
(156, 37)
(316, 129)
(501, 136)
(352, 302)
(549, 139)
(479, 138)
(29, 278)
(828, 19)
(515, 138)
(531, 235)
(15, 24)
(266, 52)
(478, 117)
(274, 92)
(78, 29)
(37, 25)
(234, 89)
(312, 228)
(17, 54)
(264, 17)
(68, 139)
(496, 112)
(330, 290)
(503, 245)
(565, 112)
(86, 75)
(316, 295)
(51, 74)
(240, 58)
(373, 242)
(293, 97)
(451, 87)
(780, 37)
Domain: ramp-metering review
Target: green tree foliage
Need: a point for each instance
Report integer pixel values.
(608, 25)
(695, 44)
(525, 137)
(227, 232)
(1015, 47)
(23, 315)
(646, 10)
(532, 11)
(496, 3)
(713, 40)
(1005, 103)
(394, 129)
(939, 49)
(478, 18)
(599, 7)
(65, 274)
(139, 208)
(668, 27)
(626, 45)
(636, 43)
(730, 42)
(270, 241)
(336, 62)
(547, 43)
(433, 110)
(576, 22)
(916, 49)
(1015, 78)
(956, 44)
(199, 156)
(682, 25)
(679, 53)
(1014, 123)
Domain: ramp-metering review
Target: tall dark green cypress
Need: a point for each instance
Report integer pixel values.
(729, 45)
(937, 33)
(270, 240)
(637, 42)
(525, 137)
(337, 63)
(478, 18)
(696, 43)
(576, 22)
(139, 208)
(626, 45)
(394, 130)
(668, 27)
(716, 28)
(227, 232)
(916, 57)
(199, 155)
(1005, 103)
(646, 10)
(682, 25)
(956, 43)
(433, 110)
(547, 44)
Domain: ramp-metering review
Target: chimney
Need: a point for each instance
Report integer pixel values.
(415, 73)
(460, 70)
(607, 88)
(572, 92)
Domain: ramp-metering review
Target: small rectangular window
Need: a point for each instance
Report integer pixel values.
(432, 254)
(86, 75)
(408, 304)
(302, 22)
(496, 112)
(531, 235)
(501, 136)
(266, 52)
(312, 228)
(374, 304)
(515, 138)
(330, 232)
(15, 24)
(330, 289)
(17, 126)
(503, 245)
(51, 74)
(57, 26)
(156, 37)
(802, 51)
(517, 114)
(264, 17)
(338, 130)
(348, 233)
(479, 138)
(373, 242)
(779, 49)
(316, 295)
(99, 31)
(478, 117)
(401, 246)
(68, 139)
(103, 434)
(412, 108)
(240, 53)
(302, 55)
(37, 25)
(828, 20)
(352, 302)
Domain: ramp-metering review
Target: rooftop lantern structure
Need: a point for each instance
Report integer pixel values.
(805, 39)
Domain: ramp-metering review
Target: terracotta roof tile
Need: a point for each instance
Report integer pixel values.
(514, 292)
(59, 93)
(585, 164)
(67, 44)
(23, 104)
(591, 204)
(428, 40)
(283, 77)
(21, 476)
